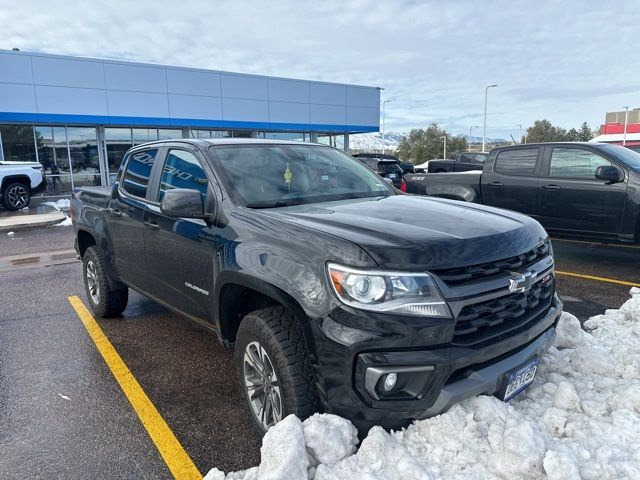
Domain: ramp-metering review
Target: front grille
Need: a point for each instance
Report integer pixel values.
(457, 276)
(503, 316)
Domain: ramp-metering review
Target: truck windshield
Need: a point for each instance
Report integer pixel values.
(267, 175)
(627, 156)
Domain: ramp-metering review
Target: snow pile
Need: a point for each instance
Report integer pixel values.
(62, 204)
(580, 419)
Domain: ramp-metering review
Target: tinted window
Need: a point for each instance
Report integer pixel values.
(473, 157)
(517, 162)
(135, 178)
(183, 170)
(277, 175)
(388, 167)
(575, 163)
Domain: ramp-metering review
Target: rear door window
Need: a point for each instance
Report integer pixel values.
(520, 162)
(135, 178)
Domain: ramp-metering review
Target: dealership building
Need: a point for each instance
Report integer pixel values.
(78, 116)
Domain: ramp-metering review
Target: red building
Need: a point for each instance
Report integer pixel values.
(613, 129)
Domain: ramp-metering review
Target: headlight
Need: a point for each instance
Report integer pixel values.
(393, 292)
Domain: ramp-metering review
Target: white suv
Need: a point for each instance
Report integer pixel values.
(18, 181)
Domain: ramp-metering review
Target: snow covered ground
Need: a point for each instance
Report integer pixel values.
(580, 419)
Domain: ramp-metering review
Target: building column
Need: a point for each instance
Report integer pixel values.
(346, 142)
(313, 137)
(102, 155)
(186, 133)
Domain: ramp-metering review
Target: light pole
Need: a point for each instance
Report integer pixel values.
(484, 131)
(383, 121)
(626, 118)
(471, 134)
(444, 139)
(520, 126)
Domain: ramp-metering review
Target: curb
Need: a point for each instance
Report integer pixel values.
(29, 225)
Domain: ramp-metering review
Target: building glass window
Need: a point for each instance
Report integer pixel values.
(241, 133)
(200, 133)
(220, 134)
(294, 136)
(83, 147)
(144, 135)
(336, 141)
(118, 141)
(169, 134)
(17, 143)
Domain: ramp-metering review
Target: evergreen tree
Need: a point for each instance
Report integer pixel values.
(426, 144)
(585, 134)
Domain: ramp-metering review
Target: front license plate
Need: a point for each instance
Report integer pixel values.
(520, 379)
(392, 175)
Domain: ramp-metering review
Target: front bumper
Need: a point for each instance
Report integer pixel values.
(41, 187)
(449, 372)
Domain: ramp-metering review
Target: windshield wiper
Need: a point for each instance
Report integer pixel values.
(280, 203)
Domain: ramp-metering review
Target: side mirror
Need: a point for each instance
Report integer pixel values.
(183, 202)
(609, 173)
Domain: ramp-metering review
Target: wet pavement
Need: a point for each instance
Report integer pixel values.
(62, 414)
(39, 213)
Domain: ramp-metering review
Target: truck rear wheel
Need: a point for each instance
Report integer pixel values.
(274, 368)
(103, 300)
(16, 195)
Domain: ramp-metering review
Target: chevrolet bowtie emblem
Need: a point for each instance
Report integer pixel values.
(521, 282)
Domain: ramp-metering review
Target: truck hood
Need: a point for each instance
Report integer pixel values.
(410, 232)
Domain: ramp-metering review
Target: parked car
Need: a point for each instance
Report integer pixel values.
(461, 163)
(336, 291)
(386, 166)
(407, 167)
(19, 181)
(588, 190)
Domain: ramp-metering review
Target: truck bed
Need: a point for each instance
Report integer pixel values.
(96, 196)
(458, 185)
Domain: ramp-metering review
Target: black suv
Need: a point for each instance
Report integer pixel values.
(336, 291)
(386, 166)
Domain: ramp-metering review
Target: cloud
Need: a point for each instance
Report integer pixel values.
(568, 61)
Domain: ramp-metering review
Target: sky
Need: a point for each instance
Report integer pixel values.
(567, 61)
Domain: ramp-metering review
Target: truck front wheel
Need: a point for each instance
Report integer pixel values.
(103, 300)
(16, 196)
(274, 367)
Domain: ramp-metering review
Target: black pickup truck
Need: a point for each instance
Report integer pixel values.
(589, 190)
(337, 292)
(463, 162)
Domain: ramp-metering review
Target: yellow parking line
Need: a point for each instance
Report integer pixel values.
(178, 461)
(599, 279)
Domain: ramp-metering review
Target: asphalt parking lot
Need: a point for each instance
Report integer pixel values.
(62, 414)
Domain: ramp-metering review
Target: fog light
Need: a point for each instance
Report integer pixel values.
(390, 381)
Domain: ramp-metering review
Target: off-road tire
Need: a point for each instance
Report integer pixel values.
(277, 331)
(110, 302)
(16, 196)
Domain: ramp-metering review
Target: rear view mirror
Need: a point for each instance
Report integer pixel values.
(182, 202)
(609, 173)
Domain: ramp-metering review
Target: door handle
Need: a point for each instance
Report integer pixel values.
(114, 212)
(551, 186)
(151, 225)
(495, 184)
